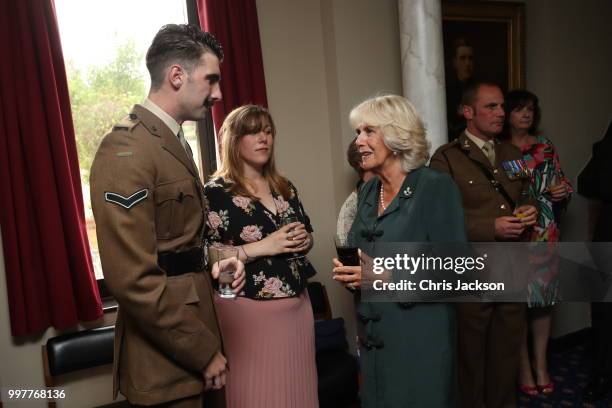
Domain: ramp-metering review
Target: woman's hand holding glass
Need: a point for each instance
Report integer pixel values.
(362, 275)
(351, 276)
(299, 234)
(557, 188)
(558, 192)
(287, 239)
(348, 276)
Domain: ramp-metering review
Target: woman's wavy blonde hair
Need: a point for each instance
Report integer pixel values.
(402, 129)
(246, 120)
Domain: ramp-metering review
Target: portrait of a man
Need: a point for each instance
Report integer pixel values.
(459, 76)
(480, 44)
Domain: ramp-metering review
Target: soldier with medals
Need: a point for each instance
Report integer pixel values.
(492, 180)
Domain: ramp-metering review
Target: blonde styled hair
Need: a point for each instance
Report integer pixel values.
(246, 120)
(402, 129)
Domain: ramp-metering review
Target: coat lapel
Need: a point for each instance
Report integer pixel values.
(169, 141)
(370, 202)
(372, 196)
(501, 152)
(406, 191)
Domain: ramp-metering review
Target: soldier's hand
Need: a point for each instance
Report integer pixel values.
(214, 373)
(239, 276)
(527, 213)
(507, 228)
(219, 381)
(234, 264)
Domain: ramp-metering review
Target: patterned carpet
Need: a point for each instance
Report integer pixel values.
(570, 370)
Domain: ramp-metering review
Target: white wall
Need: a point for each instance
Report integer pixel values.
(320, 59)
(569, 65)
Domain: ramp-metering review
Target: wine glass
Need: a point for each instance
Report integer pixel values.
(226, 269)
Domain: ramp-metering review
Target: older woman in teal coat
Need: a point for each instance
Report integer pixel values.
(407, 349)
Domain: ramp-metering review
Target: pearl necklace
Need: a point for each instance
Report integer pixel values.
(382, 198)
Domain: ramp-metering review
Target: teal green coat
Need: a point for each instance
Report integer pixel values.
(408, 350)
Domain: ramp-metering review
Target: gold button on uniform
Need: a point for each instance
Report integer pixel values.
(503, 206)
(495, 171)
(471, 182)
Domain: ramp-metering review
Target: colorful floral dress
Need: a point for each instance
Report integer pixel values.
(543, 162)
(238, 220)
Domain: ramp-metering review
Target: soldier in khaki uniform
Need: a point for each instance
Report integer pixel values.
(489, 334)
(150, 209)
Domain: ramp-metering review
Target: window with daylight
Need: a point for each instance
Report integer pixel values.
(104, 45)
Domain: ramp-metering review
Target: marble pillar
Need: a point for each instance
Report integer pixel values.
(420, 25)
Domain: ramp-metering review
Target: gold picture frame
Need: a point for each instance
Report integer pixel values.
(483, 21)
(483, 42)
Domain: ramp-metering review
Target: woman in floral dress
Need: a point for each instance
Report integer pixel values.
(552, 190)
(268, 331)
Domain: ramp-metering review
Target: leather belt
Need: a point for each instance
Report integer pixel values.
(179, 263)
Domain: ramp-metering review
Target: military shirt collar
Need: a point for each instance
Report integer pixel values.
(161, 114)
(476, 140)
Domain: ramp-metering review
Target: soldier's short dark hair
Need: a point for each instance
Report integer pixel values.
(468, 98)
(179, 43)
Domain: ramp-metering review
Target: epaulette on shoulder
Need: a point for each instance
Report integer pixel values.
(449, 145)
(127, 123)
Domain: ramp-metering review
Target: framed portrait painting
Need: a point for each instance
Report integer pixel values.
(483, 41)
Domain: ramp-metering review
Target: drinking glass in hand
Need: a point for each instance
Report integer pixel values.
(554, 182)
(556, 188)
(226, 269)
(289, 220)
(347, 254)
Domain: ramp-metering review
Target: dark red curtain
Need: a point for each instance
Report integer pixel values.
(234, 24)
(49, 272)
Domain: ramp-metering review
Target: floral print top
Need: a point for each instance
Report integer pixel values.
(543, 162)
(237, 220)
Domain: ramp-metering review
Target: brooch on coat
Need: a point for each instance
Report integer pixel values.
(407, 192)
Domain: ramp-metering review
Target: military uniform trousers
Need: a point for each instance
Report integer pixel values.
(489, 337)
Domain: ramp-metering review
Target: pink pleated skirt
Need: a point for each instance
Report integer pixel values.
(270, 350)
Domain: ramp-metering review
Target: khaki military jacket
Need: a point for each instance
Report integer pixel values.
(147, 198)
(482, 200)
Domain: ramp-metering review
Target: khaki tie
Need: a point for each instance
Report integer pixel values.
(181, 137)
(489, 150)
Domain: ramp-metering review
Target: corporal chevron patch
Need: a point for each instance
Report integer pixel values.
(126, 202)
